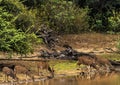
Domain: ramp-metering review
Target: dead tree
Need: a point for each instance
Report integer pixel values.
(48, 36)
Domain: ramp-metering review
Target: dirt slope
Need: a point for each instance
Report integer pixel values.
(93, 42)
(89, 42)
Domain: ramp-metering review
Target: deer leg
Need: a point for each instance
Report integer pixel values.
(5, 78)
(89, 71)
(78, 65)
(32, 77)
(26, 77)
(38, 70)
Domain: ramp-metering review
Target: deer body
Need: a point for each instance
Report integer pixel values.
(87, 61)
(8, 72)
(23, 70)
(44, 65)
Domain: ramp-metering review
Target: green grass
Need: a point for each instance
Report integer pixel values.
(62, 65)
(113, 56)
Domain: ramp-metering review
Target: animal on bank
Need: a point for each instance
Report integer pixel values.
(19, 69)
(43, 65)
(9, 72)
(95, 62)
(87, 61)
(9, 65)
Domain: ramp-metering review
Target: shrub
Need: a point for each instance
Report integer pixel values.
(11, 39)
(63, 16)
(12, 6)
(23, 18)
(114, 22)
(25, 21)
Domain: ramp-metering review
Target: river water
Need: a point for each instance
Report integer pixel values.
(75, 80)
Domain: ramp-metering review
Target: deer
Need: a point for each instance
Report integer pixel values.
(9, 72)
(96, 62)
(87, 61)
(103, 61)
(44, 65)
(19, 69)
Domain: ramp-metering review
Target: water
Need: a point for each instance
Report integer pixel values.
(105, 80)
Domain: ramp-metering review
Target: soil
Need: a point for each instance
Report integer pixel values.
(91, 42)
(88, 42)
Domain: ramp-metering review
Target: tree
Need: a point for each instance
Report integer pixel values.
(99, 12)
(63, 16)
(32, 3)
(11, 39)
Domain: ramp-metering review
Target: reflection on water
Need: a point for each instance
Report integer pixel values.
(110, 80)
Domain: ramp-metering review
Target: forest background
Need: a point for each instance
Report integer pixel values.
(21, 20)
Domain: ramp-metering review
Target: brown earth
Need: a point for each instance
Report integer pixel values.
(91, 42)
(88, 42)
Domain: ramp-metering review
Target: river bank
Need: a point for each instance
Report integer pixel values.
(99, 44)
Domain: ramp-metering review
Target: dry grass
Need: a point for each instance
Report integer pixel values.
(90, 40)
(86, 42)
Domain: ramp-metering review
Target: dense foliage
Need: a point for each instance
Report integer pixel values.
(104, 14)
(63, 16)
(11, 39)
(20, 20)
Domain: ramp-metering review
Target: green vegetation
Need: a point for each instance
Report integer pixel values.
(20, 20)
(64, 66)
(63, 16)
(11, 38)
(103, 14)
(113, 56)
(61, 65)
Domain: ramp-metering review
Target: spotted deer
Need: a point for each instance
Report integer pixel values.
(9, 72)
(87, 61)
(44, 65)
(19, 69)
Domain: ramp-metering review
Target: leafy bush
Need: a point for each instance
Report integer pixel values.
(23, 18)
(118, 45)
(81, 21)
(32, 3)
(11, 39)
(63, 16)
(25, 21)
(12, 6)
(114, 22)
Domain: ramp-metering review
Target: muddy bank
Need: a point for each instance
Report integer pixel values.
(62, 78)
(90, 42)
(62, 68)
